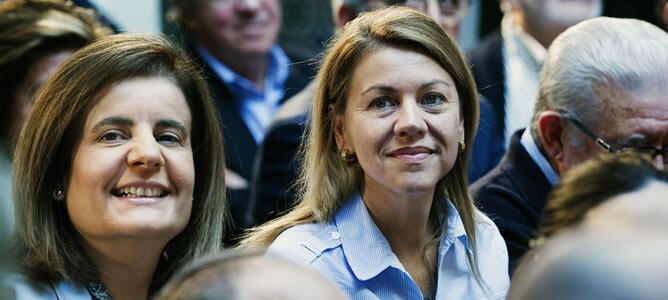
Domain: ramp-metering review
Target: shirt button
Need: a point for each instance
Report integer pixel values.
(335, 235)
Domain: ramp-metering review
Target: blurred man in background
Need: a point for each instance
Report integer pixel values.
(506, 64)
(249, 76)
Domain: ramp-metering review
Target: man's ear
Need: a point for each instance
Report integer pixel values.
(552, 138)
(339, 131)
(344, 14)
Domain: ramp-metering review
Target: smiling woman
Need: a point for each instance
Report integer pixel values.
(107, 200)
(384, 209)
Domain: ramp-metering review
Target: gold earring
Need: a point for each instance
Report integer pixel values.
(462, 146)
(348, 156)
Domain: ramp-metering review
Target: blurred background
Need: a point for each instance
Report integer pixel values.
(307, 24)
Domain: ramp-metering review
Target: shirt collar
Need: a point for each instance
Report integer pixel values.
(516, 39)
(455, 230)
(530, 146)
(277, 71)
(362, 239)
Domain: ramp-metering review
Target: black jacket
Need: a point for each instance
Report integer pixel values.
(513, 195)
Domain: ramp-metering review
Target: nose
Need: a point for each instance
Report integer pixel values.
(410, 121)
(145, 153)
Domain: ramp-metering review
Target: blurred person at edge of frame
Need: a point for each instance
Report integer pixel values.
(276, 165)
(384, 169)
(248, 275)
(613, 183)
(249, 76)
(35, 38)
(602, 89)
(117, 174)
(506, 64)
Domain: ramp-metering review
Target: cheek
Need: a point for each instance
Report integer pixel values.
(182, 172)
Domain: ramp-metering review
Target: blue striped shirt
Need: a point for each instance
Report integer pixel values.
(352, 252)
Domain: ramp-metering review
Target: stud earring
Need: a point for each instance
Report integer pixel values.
(348, 156)
(462, 145)
(58, 195)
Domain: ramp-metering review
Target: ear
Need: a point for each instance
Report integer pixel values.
(552, 138)
(665, 15)
(344, 14)
(339, 131)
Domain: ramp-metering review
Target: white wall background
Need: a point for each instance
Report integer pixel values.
(132, 15)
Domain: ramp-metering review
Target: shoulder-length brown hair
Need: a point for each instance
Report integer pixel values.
(326, 181)
(46, 240)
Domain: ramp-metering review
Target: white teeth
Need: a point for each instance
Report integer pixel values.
(140, 192)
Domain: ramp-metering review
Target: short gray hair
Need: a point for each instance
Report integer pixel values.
(596, 57)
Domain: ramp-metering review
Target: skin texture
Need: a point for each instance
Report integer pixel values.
(402, 120)
(449, 17)
(389, 110)
(639, 121)
(545, 19)
(37, 74)
(237, 27)
(138, 135)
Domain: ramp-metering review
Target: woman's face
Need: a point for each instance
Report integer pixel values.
(133, 173)
(402, 121)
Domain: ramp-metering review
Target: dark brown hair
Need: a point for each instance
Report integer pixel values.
(47, 244)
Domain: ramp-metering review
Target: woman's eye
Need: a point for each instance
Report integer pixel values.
(112, 137)
(381, 103)
(433, 99)
(169, 138)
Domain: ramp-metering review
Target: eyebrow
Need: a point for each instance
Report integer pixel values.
(391, 89)
(113, 121)
(122, 121)
(171, 124)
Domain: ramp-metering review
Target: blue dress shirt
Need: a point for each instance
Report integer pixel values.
(257, 108)
(352, 252)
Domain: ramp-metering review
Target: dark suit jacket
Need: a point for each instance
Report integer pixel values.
(240, 146)
(513, 195)
(277, 162)
(488, 70)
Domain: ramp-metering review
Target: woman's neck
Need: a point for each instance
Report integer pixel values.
(126, 267)
(403, 219)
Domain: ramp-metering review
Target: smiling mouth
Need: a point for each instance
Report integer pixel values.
(416, 154)
(139, 192)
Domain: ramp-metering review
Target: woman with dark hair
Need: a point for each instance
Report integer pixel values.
(384, 209)
(119, 173)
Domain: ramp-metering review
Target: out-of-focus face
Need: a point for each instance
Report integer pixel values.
(237, 26)
(646, 202)
(640, 121)
(402, 120)
(559, 14)
(133, 174)
(37, 74)
(448, 13)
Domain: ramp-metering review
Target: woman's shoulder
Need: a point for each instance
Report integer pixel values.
(20, 286)
(304, 243)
